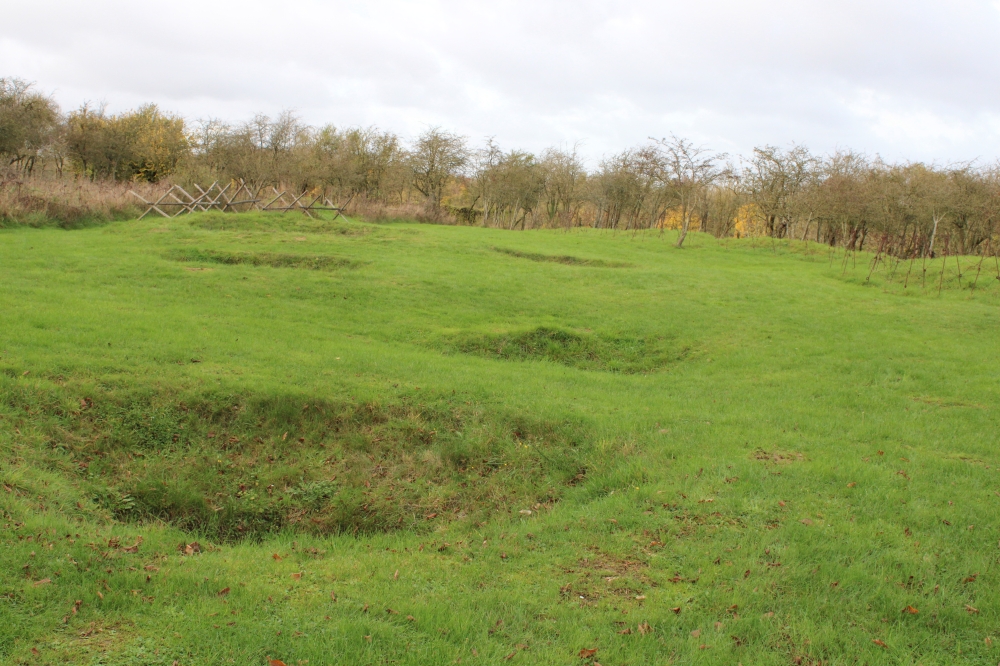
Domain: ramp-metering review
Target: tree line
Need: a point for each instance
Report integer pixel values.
(847, 199)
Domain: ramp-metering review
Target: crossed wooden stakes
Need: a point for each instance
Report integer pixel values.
(236, 196)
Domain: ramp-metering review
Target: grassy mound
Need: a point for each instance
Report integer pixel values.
(281, 222)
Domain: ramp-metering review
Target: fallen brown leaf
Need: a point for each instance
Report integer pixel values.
(587, 653)
(676, 610)
(878, 641)
(644, 628)
(970, 609)
(851, 484)
(275, 662)
(391, 612)
(626, 631)
(696, 633)
(910, 610)
(297, 575)
(44, 581)
(223, 592)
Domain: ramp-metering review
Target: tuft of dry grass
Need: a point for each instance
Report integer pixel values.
(68, 202)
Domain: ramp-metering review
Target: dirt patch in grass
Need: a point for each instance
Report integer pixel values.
(561, 259)
(272, 259)
(293, 223)
(235, 467)
(587, 351)
(604, 575)
(778, 457)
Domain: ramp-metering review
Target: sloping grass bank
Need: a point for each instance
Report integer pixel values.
(725, 454)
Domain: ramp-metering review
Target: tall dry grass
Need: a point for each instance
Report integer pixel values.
(50, 201)
(377, 211)
(70, 202)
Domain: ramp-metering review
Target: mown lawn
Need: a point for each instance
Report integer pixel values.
(232, 438)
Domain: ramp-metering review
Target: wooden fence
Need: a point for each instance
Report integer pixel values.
(235, 197)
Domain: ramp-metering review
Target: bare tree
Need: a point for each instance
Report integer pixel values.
(773, 178)
(436, 158)
(509, 186)
(564, 177)
(689, 171)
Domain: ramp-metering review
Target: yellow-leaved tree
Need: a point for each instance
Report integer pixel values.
(749, 222)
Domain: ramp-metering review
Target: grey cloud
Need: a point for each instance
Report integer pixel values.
(910, 79)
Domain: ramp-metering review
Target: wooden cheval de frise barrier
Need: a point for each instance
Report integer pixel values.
(243, 198)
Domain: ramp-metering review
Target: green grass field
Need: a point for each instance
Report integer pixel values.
(232, 438)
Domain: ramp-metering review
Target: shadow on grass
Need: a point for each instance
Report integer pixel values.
(587, 351)
(272, 259)
(561, 259)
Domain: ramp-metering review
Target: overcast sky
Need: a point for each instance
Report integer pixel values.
(908, 79)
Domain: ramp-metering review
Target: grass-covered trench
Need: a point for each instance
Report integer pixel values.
(228, 439)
